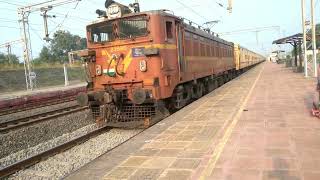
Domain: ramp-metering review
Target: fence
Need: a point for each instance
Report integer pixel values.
(12, 78)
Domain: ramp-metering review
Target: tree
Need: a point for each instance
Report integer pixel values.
(8, 59)
(309, 34)
(64, 42)
(45, 55)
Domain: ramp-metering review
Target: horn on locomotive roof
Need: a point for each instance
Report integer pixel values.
(135, 6)
(108, 3)
(101, 13)
(117, 10)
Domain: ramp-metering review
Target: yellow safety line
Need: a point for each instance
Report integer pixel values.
(220, 147)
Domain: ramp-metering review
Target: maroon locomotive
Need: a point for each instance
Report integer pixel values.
(142, 65)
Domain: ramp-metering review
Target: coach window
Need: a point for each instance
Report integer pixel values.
(169, 30)
(188, 43)
(187, 35)
(212, 50)
(208, 50)
(217, 51)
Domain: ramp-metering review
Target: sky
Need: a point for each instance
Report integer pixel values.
(246, 14)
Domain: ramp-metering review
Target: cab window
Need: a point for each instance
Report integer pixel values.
(169, 30)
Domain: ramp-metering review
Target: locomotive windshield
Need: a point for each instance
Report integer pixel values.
(118, 29)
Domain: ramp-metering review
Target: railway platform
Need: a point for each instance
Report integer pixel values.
(257, 127)
(14, 95)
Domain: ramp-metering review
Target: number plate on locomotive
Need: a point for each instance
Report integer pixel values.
(138, 52)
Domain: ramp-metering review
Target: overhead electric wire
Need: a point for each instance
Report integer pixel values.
(66, 16)
(36, 33)
(7, 9)
(61, 3)
(9, 19)
(73, 17)
(16, 22)
(10, 27)
(195, 12)
(66, 27)
(221, 5)
(10, 3)
(64, 19)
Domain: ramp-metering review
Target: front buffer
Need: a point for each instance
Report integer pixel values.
(113, 108)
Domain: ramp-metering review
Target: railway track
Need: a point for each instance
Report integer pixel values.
(8, 126)
(49, 153)
(36, 105)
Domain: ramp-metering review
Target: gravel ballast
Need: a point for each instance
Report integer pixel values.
(31, 136)
(63, 164)
(32, 112)
(23, 154)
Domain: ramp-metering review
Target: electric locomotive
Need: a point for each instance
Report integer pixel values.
(142, 65)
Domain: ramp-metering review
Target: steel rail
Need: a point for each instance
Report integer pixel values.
(5, 127)
(11, 169)
(35, 105)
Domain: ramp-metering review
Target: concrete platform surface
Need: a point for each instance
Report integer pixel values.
(257, 127)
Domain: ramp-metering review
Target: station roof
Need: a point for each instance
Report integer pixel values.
(297, 38)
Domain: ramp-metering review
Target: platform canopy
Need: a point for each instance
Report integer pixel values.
(294, 39)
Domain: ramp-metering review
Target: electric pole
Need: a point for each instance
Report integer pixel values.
(257, 37)
(27, 52)
(230, 6)
(24, 13)
(303, 11)
(314, 48)
(45, 16)
(8, 46)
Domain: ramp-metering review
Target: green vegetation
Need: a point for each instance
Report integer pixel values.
(48, 66)
(8, 59)
(62, 43)
(309, 45)
(14, 80)
(317, 39)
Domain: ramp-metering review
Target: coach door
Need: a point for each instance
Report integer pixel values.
(180, 47)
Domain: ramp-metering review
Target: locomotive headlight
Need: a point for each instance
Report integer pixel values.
(143, 65)
(98, 70)
(114, 11)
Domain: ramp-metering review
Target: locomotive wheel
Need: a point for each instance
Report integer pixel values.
(221, 81)
(202, 89)
(227, 77)
(178, 101)
(234, 75)
(199, 90)
(224, 79)
(211, 86)
(216, 84)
